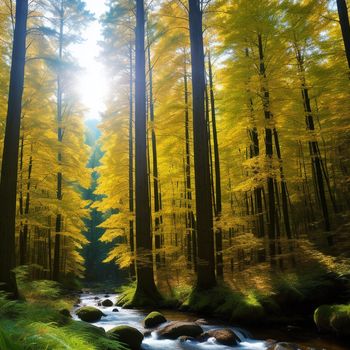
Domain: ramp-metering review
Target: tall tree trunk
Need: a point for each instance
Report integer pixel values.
(146, 287)
(345, 26)
(157, 233)
(24, 232)
(218, 200)
(9, 167)
(190, 222)
(131, 164)
(205, 243)
(269, 154)
(58, 226)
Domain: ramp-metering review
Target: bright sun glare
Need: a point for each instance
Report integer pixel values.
(92, 84)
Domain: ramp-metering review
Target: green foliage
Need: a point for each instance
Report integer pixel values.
(40, 326)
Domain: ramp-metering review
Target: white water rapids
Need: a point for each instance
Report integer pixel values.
(134, 319)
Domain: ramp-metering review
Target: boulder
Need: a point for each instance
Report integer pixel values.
(89, 314)
(127, 335)
(176, 329)
(223, 336)
(106, 296)
(340, 321)
(154, 319)
(107, 302)
(322, 317)
(115, 310)
(96, 298)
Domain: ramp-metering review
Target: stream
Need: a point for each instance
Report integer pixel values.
(134, 319)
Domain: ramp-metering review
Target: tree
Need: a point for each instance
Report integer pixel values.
(345, 26)
(8, 182)
(204, 216)
(144, 258)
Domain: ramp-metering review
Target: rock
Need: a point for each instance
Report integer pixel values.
(154, 319)
(340, 321)
(66, 313)
(128, 335)
(176, 329)
(147, 333)
(286, 346)
(99, 304)
(223, 336)
(106, 296)
(115, 310)
(107, 302)
(96, 298)
(89, 314)
(322, 316)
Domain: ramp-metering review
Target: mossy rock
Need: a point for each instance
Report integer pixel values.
(127, 335)
(340, 320)
(154, 319)
(322, 317)
(89, 314)
(107, 302)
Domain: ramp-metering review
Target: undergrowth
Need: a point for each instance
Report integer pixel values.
(35, 322)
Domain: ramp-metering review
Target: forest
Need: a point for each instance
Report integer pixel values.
(203, 202)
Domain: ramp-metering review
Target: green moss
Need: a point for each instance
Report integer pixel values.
(89, 314)
(154, 319)
(322, 317)
(334, 318)
(340, 320)
(127, 335)
(225, 303)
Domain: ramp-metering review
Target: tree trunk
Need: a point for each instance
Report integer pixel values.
(157, 234)
(269, 155)
(345, 26)
(131, 165)
(218, 200)
(205, 243)
(146, 287)
(8, 185)
(58, 226)
(190, 222)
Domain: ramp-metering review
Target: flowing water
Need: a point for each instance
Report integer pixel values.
(134, 319)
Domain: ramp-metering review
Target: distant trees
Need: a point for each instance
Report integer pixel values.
(241, 130)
